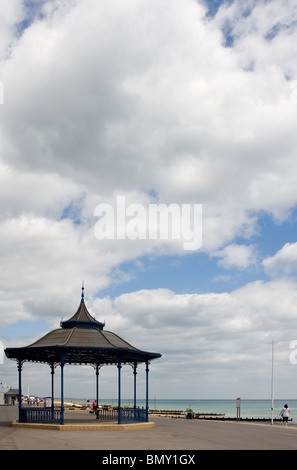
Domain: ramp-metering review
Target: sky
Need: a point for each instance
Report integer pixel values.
(184, 102)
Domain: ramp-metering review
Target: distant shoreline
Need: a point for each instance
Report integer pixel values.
(250, 408)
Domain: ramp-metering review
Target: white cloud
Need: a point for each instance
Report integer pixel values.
(284, 262)
(163, 105)
(125, 97)
(213, 342)
(43, 194)
(237, 256)
(12, 12)
(201, 335)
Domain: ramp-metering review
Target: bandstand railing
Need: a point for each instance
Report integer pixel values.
(123, 415)
(107, 415)
(131, 415)
(55, 416)
(40, 415)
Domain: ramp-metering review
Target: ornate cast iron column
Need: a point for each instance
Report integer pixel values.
(97, 389)
(62, 390)
(20, 366)
(52, 366)
(147, 406)
(119, 392)
(135, 373)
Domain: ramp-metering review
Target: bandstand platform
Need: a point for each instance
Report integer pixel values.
(85, 423)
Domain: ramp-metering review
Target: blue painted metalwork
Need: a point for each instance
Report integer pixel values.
(97, 384)
(135, 374)
(53, 388)
(147, 407)
(20, 365)
(40, 415)
(107, 415)
(132, 415)
(128, 415)
(119, 392)
(62, 390)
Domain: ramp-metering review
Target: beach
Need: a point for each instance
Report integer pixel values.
(167, 434)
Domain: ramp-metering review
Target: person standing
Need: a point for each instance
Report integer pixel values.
(285, 413)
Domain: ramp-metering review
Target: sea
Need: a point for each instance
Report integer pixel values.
(228, 407)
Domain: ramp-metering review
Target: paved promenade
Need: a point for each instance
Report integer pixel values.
(168, 434)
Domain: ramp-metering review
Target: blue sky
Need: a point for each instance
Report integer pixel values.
(198, 272)
(175, 102)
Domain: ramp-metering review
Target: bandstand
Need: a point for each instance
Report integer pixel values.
(82, 340)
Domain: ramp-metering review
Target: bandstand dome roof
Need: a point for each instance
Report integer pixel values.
(81, 340)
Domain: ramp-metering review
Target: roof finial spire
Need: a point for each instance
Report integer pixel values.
(82, 291)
